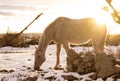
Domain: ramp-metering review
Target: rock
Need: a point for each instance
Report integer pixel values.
(11, 71)
(86, 63)
(82, 63)
(104, 66)
(116, 76)
(69, 77)
(94, 76)
(50, 78)
(31, 79)
(71, 56)
(117, 67)
(4, 71)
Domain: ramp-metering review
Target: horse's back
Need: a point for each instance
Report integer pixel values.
(77, 26)
(77, 30)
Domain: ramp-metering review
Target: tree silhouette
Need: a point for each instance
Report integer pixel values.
(115, 14)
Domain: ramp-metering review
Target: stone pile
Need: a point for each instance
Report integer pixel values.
(104, 65)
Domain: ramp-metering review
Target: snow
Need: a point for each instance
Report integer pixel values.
(21, 60)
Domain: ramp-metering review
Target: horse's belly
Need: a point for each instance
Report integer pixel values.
(79, 41)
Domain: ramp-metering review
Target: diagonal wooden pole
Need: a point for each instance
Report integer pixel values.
(29, 25)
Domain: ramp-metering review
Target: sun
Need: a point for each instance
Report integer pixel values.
(105, 18)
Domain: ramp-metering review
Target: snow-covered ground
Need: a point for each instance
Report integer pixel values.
(16, 64)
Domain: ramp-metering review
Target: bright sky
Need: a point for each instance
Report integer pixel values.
(16, 14)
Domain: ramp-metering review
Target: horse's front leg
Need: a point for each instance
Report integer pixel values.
(57, 66)
(69, 65)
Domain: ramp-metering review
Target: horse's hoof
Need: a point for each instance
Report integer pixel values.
(37, 68)
(58, 68)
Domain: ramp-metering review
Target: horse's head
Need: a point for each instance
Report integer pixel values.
(39, 59)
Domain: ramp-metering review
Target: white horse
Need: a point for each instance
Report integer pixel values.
(65, 31)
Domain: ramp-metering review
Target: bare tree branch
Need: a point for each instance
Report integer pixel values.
(115, 15)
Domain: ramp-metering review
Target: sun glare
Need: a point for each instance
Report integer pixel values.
(105, 18)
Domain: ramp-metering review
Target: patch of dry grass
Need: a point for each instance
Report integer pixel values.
(24, 40)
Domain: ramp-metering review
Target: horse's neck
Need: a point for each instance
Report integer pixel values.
(44, 40)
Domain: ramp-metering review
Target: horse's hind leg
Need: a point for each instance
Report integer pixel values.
(57, 66)
(99, 46)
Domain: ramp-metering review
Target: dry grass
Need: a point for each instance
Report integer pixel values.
(24, 40)
(113, 39)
